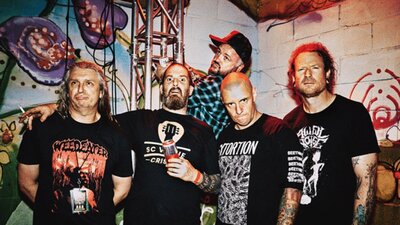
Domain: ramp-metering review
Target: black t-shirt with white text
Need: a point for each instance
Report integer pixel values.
(156, 197)
(256, 164)
(330, 139)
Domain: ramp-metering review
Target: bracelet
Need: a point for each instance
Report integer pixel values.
(197, 179)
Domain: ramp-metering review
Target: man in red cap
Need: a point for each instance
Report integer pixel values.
(233, 55)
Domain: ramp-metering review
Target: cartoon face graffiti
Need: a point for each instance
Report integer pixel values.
(7, 136)
(98, 20)
(380, 94)
(39, 46)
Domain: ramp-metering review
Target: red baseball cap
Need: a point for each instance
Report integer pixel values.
(237, 41)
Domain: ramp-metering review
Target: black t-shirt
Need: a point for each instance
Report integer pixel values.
(75, 156)
(256, 164)
(330, 139)
(156, 197)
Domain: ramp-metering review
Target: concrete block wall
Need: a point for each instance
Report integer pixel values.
(217, 17)
(364, 39)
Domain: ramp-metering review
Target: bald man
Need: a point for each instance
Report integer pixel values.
(259, 159)
(167, 192)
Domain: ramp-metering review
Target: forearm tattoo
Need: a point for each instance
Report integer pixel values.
(288, 208)
(363, 212)
(210, 183)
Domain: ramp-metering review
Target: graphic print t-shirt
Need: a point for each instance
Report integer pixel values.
(330, 139)
(256, 164)
(155, 195)
(76, 162)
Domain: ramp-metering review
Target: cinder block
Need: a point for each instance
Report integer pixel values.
(386, 33)
(267, 56)
(275, 104)
(316, 23)
(200, 28)
(315, 38)
(202, 8)
(227, 11)
(272, 93)
(354, 67)
(358, 39)
(284, 53)
(268, 80)
(367, 11)
(277, 33)
(334, 41)
(198, 54)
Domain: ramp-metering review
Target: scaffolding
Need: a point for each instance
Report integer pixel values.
(157, 29)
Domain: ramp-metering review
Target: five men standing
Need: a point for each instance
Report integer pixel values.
(262, 164)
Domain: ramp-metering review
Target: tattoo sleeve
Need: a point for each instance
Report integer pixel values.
(210, 183)
(289, 206)
(365, 170)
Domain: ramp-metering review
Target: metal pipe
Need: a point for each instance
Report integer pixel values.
(133, 55)
(148, 54)
(165, 13)
(178, 51)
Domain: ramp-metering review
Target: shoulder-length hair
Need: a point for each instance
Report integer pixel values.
(329, 64)
(103, 106)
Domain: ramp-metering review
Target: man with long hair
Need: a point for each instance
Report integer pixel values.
(76, 166)
(167, 191)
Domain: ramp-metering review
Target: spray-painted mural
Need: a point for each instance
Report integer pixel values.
(380, 94)
(34, 44)
(379, 91)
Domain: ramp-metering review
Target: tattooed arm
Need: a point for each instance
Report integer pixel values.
(210, 183)
(365, 169)
(183, 169)
(288, 208)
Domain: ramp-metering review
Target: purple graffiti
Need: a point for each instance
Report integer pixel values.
(39, 46)
(380, 94)
(95, 19)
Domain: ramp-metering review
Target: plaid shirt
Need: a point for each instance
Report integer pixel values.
(205, 103)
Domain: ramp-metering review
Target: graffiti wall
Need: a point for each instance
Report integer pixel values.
(363, 37)
(35, 37)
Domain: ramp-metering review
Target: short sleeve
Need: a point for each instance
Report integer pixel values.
(294, 156)
(29, 148)
(211, 155)
(123, 166)
(364, 141)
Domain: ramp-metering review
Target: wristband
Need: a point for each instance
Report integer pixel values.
(197, 179)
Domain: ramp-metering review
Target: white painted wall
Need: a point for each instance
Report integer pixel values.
(217, 17)
(362, 35)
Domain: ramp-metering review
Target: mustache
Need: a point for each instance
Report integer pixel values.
(174, 89)
(216, 63)
(308, 79)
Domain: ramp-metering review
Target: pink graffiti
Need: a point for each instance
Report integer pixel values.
(41, 45)
(380, 94)
(98, 20)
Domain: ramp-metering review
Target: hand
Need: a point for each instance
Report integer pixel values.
(181, 168)
(42, 111)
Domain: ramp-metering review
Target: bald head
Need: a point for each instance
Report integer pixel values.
(234, 80)
(238, 96)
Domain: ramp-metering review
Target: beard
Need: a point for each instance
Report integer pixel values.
(214, 68)
(175, 102)
(311, 92)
